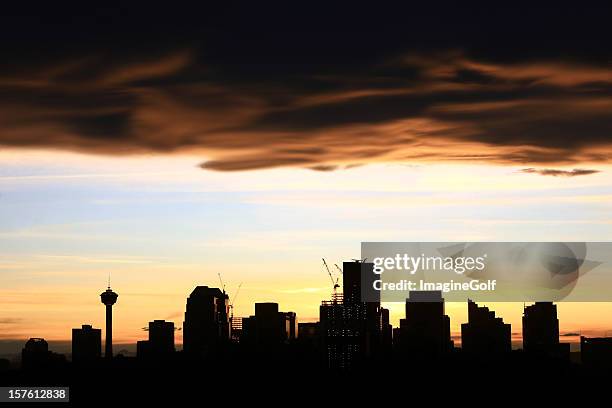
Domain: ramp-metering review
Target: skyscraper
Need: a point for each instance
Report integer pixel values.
(351, 329)
(425, 332)
(86, 344)
(109, 298)
(341, 338)
(206, 326)
(541, 331)
(351, 282)
(484, 333)
(357, 280)
(540, 327)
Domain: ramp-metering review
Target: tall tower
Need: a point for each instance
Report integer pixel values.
(206, 326)
(109, 298)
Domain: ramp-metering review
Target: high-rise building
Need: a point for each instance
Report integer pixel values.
(541, 330)
(425, 332)
(352, 331)
(109, 298)
(206, 326)
(484, 333)
(351, 281)
(540, 327)
(342, 339)
(86, 344)
(357, 283)
(268, 328)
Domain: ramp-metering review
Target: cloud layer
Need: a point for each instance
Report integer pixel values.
(560, 173)
(319, 101)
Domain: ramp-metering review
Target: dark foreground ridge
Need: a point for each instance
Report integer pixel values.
(291, 375)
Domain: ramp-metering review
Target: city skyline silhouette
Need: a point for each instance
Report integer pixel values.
(209, 327)
(353, 339)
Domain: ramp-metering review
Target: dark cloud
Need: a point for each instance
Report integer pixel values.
(248, 89)
(560, 173)
(570, 334)
(323, 167)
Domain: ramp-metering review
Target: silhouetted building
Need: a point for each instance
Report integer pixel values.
(291, 325)
(109, 298)
(86, 344)
(342, 339)
(366, 317)
(484, 333)
(352, 331)
(351, 281)
(425, 332)
(541, 331)
(206, 326)
(268, 328)
(161, 337)
(36, 355)
(540, 327)
(160, 343)
(596, 351)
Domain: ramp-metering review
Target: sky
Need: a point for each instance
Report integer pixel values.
(163, 148)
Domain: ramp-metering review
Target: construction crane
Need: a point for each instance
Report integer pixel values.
(221, 281)
(334, 282)
(339, 269)
(233, 300)
(234, 336)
